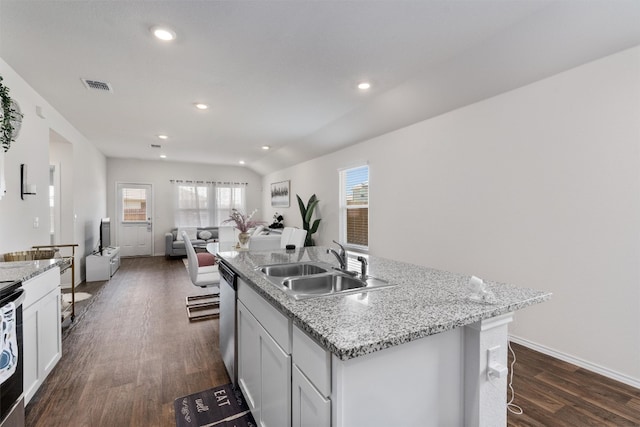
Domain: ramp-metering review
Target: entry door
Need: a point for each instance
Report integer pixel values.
(135, 225)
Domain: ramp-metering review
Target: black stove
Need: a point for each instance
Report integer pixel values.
(8, 286)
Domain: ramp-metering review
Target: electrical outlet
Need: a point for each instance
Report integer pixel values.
(36, 222)
(493, 356)
(494, 368)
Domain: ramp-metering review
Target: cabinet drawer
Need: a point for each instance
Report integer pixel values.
(41, 285)
(313, 360)
(275, 323)
(308, 407)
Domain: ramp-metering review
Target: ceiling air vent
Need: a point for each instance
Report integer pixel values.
(97, 85)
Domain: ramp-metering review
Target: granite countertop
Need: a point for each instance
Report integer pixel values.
(25, 270)
(424, 302)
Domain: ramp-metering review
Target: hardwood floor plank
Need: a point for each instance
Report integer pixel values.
(132, 354)
(587, 398)
(593, 397)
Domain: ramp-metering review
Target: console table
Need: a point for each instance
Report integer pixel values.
(103, 266)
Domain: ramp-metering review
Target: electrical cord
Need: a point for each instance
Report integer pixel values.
(512, 407)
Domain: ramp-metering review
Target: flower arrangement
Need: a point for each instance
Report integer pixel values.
(243, 222)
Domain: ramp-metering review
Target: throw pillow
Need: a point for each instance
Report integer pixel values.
(205, 258)
(205, 235)
(192, 233)
(258, 230)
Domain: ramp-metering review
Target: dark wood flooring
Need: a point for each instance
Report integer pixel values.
(556, 393)
(134, 352)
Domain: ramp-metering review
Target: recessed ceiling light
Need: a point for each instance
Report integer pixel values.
(364, 85)
(163, 156)
(162, 136)
(163, 33)
(266, 147)
(241, 162)
(201, 106)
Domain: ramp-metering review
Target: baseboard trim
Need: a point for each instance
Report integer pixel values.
(609, 373)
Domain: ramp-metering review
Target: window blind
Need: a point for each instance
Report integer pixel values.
(355, 189)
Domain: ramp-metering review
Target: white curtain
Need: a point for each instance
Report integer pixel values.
(204, 203)
(229, 197)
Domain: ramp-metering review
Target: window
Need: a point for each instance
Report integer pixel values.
(206, 204)
(354, 206)
(193, 206)
(228, 198)
(134, 205)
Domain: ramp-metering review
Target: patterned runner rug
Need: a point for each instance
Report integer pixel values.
(222, 406)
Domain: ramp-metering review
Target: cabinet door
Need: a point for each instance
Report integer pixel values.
(276, 383)
(30, 352)
(249, 358)
(49, 333)
(309, 407)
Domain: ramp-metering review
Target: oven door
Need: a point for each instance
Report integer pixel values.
(11, 389)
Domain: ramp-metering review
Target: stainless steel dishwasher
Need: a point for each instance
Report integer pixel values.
(228, 339)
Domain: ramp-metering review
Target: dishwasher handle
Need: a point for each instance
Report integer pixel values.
(227, 274)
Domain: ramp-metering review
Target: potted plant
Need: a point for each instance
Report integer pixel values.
(307, 214)
(10, 118)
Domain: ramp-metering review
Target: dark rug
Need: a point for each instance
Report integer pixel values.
(222, 406)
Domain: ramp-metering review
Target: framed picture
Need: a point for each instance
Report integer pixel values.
(280, 194)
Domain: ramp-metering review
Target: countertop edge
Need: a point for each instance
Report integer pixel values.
(368, 348)
(267, 291)
(25, 270)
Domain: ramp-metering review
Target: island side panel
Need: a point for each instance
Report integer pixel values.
(416, 383)
(485, 400)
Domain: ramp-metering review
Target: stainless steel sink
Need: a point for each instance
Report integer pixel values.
(322, 284)
(303, 280)
(330, 283)
(293, 269)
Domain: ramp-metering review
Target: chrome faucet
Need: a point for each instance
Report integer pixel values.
(342, 256)
(363, 266)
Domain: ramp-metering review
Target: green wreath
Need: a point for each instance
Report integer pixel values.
(11, 118)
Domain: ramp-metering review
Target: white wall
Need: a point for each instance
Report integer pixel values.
(158, 173)
(538, 187)
(88, 196)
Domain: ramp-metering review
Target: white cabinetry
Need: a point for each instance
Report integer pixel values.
(311, 383)
(264, 358)
(42, 334)
(102, 267)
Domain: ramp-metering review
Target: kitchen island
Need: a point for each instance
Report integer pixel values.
(412, 354)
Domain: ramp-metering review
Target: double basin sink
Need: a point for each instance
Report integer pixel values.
(304, 280)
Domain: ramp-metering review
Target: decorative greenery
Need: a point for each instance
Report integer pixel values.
(243, 222)
(10, 115)
(307, 213)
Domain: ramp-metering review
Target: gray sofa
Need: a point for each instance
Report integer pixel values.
(174, 247)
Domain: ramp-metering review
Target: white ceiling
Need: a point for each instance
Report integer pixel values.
(283, 73)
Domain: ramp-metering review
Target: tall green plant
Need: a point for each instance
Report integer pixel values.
(307, 213)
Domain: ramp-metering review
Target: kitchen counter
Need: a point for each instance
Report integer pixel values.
(424, 302)
(25, 270)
